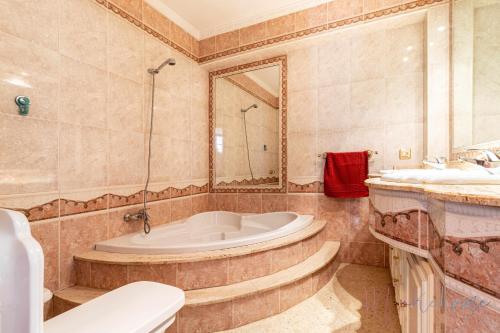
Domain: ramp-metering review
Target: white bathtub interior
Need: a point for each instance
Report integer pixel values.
(209, 231)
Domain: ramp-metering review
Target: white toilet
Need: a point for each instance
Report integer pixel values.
(139, 307)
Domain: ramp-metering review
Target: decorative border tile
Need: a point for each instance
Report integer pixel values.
(246, 182)
(446, 248)
(282, 62)
(269, 41)
(318, 29)
(313, 187)
(40, 212)
(66, 207)
(71, 207)
(139, 23)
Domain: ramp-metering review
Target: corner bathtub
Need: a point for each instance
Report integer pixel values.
(208, 231)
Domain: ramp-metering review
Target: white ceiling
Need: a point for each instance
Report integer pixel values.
(205, 18)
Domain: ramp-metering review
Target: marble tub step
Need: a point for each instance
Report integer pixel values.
(69, 298)
(207, 269)
(248, 288)
(226, 307)
(280, 290)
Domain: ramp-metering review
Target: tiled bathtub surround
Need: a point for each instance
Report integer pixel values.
(346, 220)
(77, 161)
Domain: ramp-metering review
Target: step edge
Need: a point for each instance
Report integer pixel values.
(335, 246)
(62, 294)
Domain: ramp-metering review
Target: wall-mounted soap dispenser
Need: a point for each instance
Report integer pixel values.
(23, 102)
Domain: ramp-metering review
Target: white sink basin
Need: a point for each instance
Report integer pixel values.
(444, 177)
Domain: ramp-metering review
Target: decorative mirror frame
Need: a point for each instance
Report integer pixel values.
(281, 61)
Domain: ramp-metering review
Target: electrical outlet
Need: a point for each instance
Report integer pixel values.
(404, 154)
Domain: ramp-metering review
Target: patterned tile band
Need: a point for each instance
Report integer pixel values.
(260, 181)
(321, 28)
(65, 207)
(269, 41)
(483, 244)
(139, 23)
(470, 267)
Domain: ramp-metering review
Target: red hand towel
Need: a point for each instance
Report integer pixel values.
(345, 174)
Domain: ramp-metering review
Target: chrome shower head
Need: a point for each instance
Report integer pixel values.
(250, 107)
(169, 61)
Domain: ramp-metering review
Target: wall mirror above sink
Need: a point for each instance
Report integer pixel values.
(247, 113)
(476, 74)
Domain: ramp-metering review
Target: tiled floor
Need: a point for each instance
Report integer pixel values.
(357, 299)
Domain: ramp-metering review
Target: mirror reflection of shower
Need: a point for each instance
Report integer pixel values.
(143, 213)
(244, 111)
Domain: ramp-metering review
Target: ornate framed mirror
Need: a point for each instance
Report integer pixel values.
(247, 123)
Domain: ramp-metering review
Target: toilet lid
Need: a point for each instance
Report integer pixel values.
(134, 308)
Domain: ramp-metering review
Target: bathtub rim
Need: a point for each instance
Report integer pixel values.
(94, 256)
(112, 245)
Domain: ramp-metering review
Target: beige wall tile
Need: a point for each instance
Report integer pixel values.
(228, 40)
(334, 108)
(281, 25)
(118, 227)
(125, 49)
(249, 202)
(156, 21)
(374, 5)
(180, 37)
(83, 26)
(42, 26)
(311, 17)
(82, 108)
(161, 158)
(29, 162)
(133, 7)
(126, 157)
(368, 55)
(302, 111)
(253, 33)
(78, 235)
(207, 46)
(181, 208)
(124, 104)
(28, 69)
(334, 61)
(342, 9)
(47, 234)
(303, 69)
(83, 154)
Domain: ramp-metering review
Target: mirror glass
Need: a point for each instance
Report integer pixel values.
(476, 72)
(247, 113)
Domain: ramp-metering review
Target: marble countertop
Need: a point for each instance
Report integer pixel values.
(488, 195)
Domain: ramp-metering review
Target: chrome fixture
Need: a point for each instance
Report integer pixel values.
(244, 111)
(488, 154)
(371, 154)
(484, 158)
(250, 107)
(143, 213)
(169, 61)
